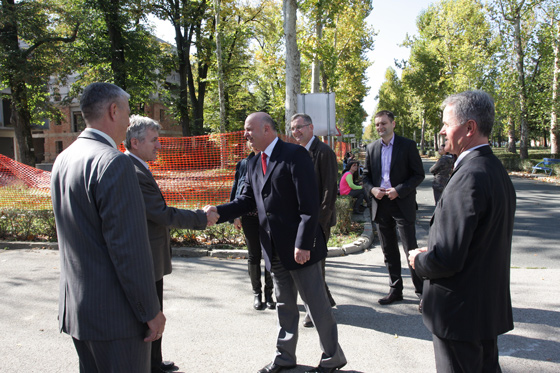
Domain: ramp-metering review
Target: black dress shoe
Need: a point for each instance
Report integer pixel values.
(168, 366)
(257, 303)
(321, 369)
(393, 296)
(274, 368)
(307, 323)
(270, 303)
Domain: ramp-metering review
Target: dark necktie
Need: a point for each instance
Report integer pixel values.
(263, 160)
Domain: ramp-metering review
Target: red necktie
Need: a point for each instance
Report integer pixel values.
(263, 160)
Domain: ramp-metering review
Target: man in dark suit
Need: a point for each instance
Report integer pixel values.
(279, 186)
(108, 301)
(142, 144)
(326, 175)
(393, 170)
(467, 301)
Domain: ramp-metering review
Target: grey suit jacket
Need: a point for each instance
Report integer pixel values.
(107, 287)
(467, 293)
(406, 173)
(161, 217)
(326, 174)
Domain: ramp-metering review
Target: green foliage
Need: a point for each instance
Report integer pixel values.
(344, 206)
(27, 225)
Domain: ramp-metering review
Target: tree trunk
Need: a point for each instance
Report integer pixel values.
(17, 67)
(554, 130)
(422, 135)
(220, 68)
(183, 102)
(511, 135)
(292, 60)
(316, 65)
(522, 92)
(111, 12)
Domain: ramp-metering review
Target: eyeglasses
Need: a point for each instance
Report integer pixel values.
(299, 127)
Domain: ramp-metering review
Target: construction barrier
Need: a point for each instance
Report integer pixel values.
(191, 172)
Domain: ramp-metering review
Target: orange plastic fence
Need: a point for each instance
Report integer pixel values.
(191, 172)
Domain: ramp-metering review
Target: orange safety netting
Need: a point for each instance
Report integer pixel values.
(191, 172)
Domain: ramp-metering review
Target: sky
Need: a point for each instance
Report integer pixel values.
(392, 20)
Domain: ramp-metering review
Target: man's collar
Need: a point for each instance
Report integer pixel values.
(308, 145)
(138, 158)
(103, 134)
(270, 147)
(390, 141)
(466, 152)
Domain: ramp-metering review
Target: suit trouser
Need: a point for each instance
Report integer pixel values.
(251, 226)
(156, 345)
(131, 355)
(466, 356)
(308, 281)
(389, 217)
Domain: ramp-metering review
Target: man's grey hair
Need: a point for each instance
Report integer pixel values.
(139, 125)
(306, 118)
(473, 105)
(97, 96)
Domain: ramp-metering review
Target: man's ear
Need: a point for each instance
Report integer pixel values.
(113, 109)
(134, 143)
(472, 127)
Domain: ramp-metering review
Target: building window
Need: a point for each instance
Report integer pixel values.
(161, 115)
(5, 116)
(78, 124)
(58, 147)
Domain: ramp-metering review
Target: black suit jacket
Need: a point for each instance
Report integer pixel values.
(406, 173)
(326, 175)
(467, 294)
(287, 203)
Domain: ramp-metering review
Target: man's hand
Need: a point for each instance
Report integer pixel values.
(237, 223)
(378, 193)
(157, 326)
(391, 193)
(212, 215)
(302, 256)
(413, 253)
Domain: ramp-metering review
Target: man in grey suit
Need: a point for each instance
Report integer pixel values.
(326, 175)
(393, 172)
(467, 301)
(279, 186)
(142, 144)
(108, 301)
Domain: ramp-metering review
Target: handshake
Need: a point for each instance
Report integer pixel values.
(212, 215)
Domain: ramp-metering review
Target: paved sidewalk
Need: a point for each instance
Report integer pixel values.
(212, 327)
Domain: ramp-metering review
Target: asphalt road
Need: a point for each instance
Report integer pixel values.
(212, 327)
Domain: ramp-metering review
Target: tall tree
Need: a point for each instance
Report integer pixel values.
(32, 38)
(194, 24)
(515, 13)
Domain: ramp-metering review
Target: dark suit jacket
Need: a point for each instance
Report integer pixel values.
(161, 217)
(287, 203)
(406, 173)
(107, 286)
(467, 295)
(326, 174)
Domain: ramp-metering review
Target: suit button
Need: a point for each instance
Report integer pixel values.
(265, 195)
(267, 213)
